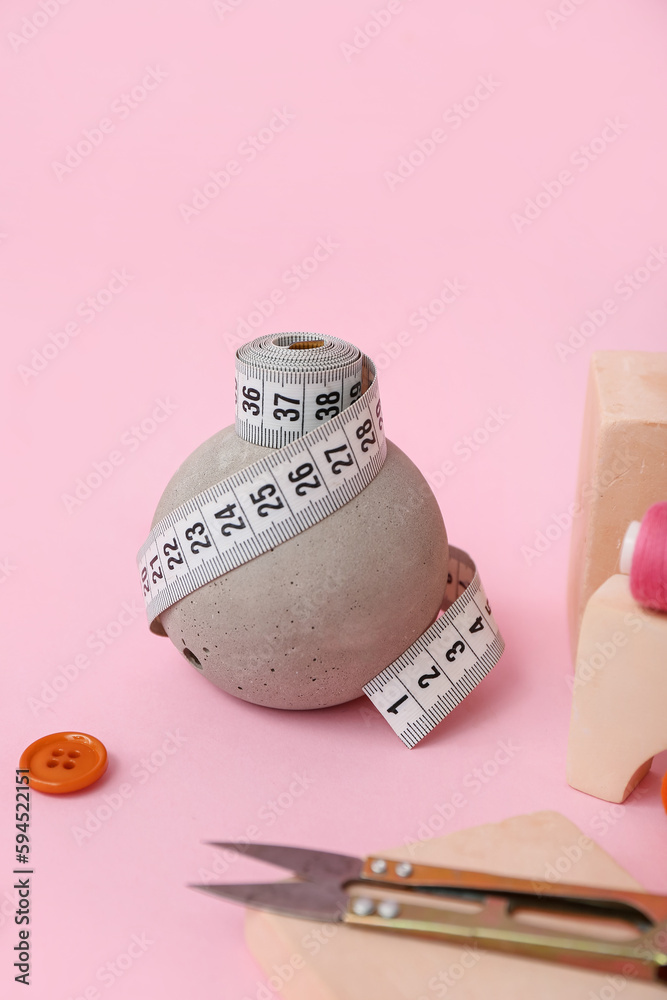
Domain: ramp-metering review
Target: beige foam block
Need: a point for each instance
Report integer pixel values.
(619, 698)
(333, 962)
(622, 466)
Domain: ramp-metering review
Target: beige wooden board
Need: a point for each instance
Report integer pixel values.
(301, 963)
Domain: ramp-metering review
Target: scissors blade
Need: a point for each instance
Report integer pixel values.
(307, 900)
(309, 864)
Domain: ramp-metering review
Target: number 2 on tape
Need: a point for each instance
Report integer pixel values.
(422, 686)
(328, 444)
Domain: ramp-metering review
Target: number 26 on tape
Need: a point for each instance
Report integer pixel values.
(300, 476)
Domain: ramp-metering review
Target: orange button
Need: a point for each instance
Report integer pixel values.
(64, 762)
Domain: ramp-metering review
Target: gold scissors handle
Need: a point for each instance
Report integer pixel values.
(504, 914)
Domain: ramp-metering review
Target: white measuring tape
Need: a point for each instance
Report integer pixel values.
(279, 400)
(320, 409)
(433, 676)
(280, 495)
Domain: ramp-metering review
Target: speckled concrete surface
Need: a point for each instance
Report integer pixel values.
(307, 624)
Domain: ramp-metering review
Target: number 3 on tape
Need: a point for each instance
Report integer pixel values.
(421, 687)
(328, 441)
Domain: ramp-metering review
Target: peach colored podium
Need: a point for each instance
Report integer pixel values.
(622, 467)
(304, 961)
(619, 697)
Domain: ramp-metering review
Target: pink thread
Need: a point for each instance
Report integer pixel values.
(648, 574)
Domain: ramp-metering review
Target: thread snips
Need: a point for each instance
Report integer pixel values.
(612, 930)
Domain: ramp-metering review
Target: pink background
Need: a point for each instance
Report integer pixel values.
(218, 77)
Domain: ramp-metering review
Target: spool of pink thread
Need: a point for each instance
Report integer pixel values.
(644, 557)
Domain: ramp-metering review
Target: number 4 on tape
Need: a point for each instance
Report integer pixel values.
(421, 687)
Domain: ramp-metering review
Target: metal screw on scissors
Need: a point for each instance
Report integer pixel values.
(451, 905)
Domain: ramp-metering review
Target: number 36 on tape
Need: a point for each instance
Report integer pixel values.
(323, 459)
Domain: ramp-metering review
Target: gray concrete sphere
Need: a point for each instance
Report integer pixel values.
(307, 624)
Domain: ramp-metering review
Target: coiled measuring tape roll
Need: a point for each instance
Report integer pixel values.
(289, 386)
(282, 494)
(316, 401)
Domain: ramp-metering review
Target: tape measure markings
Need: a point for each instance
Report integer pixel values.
(307, 477)
(399, 692)
(449, 700)
(193, 528)
(330, 387)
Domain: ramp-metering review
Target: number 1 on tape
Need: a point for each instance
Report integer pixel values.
(421, 687)
(319, 411)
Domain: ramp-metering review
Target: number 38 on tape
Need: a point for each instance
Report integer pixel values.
(325, 424)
